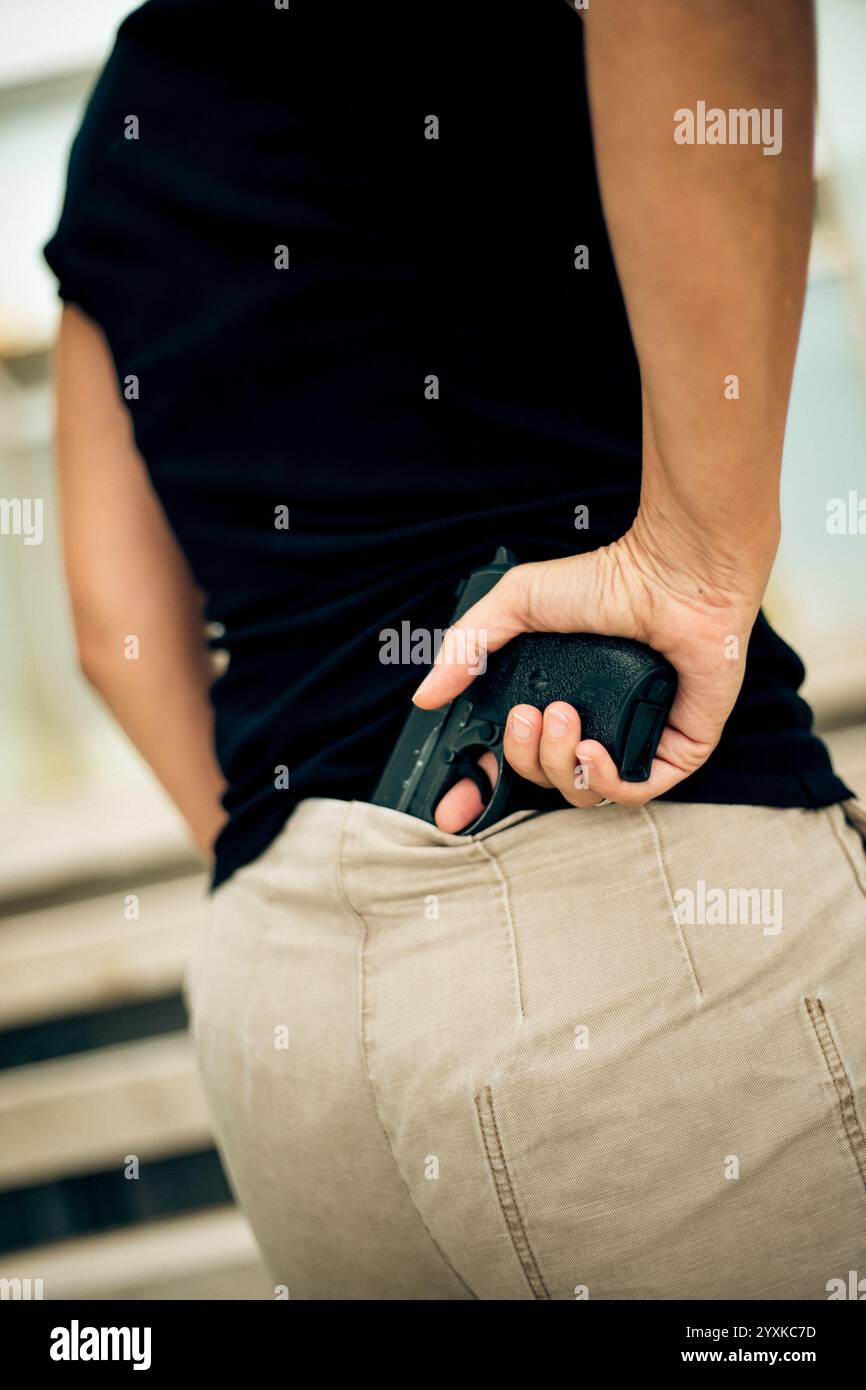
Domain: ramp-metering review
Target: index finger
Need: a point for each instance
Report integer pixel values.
(483, 628)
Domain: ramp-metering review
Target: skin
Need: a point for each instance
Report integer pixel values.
(711, 245)
(126, 575)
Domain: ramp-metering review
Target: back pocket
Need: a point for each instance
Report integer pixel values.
(508, 1204)
(852, 1124)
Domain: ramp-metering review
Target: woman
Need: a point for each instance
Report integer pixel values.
(342, 317)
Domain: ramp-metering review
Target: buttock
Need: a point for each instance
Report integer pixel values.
(616, 1053)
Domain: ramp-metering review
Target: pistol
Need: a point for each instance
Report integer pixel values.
(622, 690)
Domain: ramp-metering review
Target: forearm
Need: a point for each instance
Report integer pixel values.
(160, 699)
(135, 606)
(711, 243)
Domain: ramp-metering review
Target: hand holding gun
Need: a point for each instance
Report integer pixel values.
(611, 623)
(622, 690)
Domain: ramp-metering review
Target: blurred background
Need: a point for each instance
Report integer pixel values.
(109, 1183)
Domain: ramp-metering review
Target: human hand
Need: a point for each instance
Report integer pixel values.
(632, 588)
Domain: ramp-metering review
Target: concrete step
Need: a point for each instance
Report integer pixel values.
(87, 1112)
(82, 956)
(207, 1255)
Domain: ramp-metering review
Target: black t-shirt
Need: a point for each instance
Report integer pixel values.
(335, 250)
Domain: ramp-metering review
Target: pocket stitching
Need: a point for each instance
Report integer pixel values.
(505, 1194)
(851, 1122)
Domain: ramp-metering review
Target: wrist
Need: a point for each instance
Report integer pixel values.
(715, 564)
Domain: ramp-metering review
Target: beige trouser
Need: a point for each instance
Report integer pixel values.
(605, 1053)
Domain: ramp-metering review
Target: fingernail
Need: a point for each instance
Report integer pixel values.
(521, 727)
(557, 724)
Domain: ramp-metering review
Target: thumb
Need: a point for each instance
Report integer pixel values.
(485, 627)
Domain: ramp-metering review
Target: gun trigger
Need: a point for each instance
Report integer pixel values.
(495, 808)
(467, 768)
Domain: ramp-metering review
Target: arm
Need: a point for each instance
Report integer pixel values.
(711, 243)
(126, 576)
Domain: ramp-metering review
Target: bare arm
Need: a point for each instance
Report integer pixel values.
(128, 578)
(711, 243)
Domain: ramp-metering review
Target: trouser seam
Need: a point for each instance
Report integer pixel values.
(856, 869)
(362, 1040)
(262, 932)
(666, 881)
(505, 1193)
(851, 1122)
(512, 930)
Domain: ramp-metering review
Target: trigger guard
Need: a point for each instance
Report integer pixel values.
(494, 810)
(467, 768)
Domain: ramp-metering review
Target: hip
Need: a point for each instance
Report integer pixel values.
(594, 1020)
